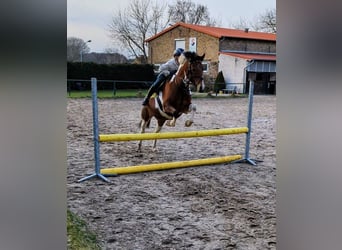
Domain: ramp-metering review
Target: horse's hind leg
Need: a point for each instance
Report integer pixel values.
(144, 123)
(142, 130)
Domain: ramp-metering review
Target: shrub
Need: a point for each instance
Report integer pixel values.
(219, 82)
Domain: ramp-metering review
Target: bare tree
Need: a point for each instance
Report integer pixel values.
(188, 12)
(133, 25)
(242, 24)
(267, 22)
(144, 18)
(76, 47)
(105, 58)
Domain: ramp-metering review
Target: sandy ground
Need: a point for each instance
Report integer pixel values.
(224, 206)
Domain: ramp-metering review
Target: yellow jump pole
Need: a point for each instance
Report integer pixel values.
(171, 135)
(169, 165)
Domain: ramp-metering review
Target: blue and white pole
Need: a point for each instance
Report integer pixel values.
(96, 134)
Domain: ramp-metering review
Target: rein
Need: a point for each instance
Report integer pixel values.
(185, 80)
(189, 78)
(189, 73)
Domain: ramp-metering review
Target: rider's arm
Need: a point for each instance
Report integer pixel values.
(168, 66)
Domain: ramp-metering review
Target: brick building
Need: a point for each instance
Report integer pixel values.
(239, 54)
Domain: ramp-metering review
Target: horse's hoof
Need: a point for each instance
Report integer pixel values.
(188, 123)
(170, 123)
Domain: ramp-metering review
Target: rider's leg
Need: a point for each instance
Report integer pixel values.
(154, 88)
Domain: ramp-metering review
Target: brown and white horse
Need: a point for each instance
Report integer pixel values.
(174, 98)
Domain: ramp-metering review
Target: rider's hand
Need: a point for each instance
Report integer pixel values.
(166, 73)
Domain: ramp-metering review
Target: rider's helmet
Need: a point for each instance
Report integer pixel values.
(178, 52)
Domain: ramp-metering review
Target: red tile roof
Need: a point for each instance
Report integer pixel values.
(220, 32)
(266, 57)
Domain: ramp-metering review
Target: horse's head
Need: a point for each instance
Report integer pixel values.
(194, 71)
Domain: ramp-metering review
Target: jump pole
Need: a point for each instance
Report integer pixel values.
(246, 159)
(188, 134)
(168, 165)
(150, 136)
(171, 135)
(96, 134)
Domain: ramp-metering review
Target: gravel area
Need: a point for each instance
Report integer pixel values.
(224, 206)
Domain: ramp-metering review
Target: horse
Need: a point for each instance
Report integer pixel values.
(174, 98)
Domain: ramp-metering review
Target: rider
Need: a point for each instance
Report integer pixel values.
(166, 69)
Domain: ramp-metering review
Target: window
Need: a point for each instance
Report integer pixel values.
(205, 66)
(180, 43)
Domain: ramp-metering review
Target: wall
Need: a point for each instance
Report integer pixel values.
(247, 45)
(233, 69)
(162, 47)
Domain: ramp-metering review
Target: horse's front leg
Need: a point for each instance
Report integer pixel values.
(170, 110)
(171, 123)
(200, 86)
(192, 110)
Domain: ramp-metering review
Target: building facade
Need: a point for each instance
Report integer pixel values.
(239, 54)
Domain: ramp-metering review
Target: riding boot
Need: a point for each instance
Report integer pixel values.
(148, 95)
(153, 89)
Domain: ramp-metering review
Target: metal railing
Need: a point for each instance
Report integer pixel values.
(112, 85)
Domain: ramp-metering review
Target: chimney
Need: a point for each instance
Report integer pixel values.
(246, 30)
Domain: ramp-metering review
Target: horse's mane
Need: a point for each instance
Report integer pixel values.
(187, 56)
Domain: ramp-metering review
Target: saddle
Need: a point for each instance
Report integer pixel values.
(159, 98)
(168, 78)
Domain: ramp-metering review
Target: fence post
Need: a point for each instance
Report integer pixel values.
(114, 88)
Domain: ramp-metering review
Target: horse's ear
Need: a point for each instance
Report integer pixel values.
(202, 57)
(187, 54)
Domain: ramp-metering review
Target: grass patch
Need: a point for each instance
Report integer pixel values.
(122, 93)
(136, 93)
(230, 96)
(79, 237)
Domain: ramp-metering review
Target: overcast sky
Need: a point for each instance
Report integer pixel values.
(89, 19)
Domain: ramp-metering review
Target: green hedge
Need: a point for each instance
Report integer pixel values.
(127, 72)
(123, 72)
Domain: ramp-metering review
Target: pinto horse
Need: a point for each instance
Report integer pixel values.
(174, 98)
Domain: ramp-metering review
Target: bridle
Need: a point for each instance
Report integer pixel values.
(189, 78)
